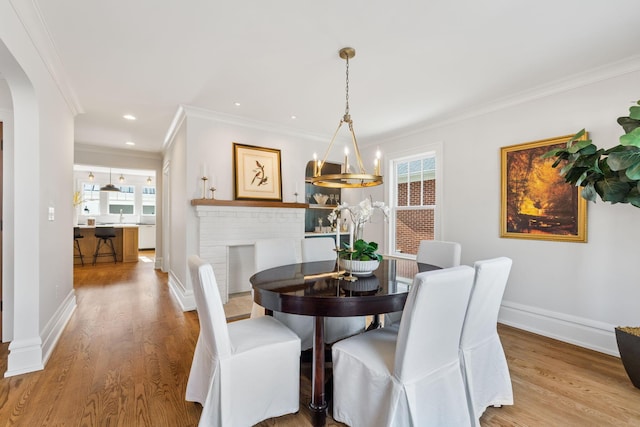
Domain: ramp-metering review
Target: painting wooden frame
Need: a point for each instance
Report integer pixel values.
(257, 173)
(536, 202)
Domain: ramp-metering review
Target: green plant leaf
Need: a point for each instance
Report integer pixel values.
(612, 190)
(633, 172)
(589, 193)
(628, 123)
(552, 153)
(623, 159)
(632, 138)
(575, 137)
(634, 112)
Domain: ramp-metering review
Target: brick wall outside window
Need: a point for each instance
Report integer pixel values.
(413, 226)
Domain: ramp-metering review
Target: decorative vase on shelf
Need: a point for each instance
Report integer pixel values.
(360, 268)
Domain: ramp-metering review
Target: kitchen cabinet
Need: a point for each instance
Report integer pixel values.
(146, 236)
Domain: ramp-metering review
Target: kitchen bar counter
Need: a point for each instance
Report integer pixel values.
(125, 243)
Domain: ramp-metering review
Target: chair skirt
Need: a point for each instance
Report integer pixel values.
(265, 361)
(366, 392)
(486, 374)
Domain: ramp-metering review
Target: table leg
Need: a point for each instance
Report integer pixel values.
(318, 405)
(375, 323)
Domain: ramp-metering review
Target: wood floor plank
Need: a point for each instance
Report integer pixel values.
(125, 355)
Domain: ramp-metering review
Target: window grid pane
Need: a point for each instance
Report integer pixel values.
(414, 212)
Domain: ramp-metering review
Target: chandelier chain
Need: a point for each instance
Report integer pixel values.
(346, 110)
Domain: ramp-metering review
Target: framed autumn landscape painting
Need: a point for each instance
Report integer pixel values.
(257, 173)
(536, 203)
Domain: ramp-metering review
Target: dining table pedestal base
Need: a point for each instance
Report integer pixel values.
(318, 405)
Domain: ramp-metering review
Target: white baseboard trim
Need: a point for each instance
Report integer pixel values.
(587, 333)
(56, 324)
(184, 296)
(158, 263)
(25, 355)
(32, 354)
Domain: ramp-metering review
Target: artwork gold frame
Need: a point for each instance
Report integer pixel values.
(257, 173)
(536, 202)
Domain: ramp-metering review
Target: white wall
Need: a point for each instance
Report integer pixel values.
(576, 292)
(201, 138)
(41, 276)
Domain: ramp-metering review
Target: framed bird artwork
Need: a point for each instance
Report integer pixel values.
(257, 173)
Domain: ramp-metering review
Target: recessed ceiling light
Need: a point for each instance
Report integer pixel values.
(237, 104)
(293, 117)
(130, 143)
(129, 117)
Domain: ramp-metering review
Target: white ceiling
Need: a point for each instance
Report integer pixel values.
(417, 62)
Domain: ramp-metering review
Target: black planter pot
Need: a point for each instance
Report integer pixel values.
(629, 347)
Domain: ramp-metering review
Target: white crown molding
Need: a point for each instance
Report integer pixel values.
(252, 124)
(30, 16)
(178, 118)
(586, 78)
(99, 149)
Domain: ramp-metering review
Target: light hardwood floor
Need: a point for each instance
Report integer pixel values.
(124, 358)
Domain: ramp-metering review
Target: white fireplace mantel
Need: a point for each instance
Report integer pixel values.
(226, 224)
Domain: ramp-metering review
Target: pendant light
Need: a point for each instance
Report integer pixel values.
(346, 179)
(109, 186)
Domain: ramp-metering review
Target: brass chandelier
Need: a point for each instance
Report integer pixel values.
(346, 179)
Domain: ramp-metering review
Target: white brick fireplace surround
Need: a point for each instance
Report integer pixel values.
(227, 234)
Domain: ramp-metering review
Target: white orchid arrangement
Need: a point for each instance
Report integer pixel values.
(360, 214)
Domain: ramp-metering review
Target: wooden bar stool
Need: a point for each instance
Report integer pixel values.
(78, 235)
(105, 236)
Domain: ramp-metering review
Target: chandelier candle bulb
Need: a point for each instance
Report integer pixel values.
(346, 160)
(315, 164)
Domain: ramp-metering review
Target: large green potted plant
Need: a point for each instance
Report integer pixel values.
(614, 176)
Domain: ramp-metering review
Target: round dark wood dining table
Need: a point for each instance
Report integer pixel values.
(312, 289)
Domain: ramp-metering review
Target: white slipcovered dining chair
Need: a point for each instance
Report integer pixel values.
(270, 253)
(336, 328)
(410, 376)
(484, 365)
(433, 252)
(318, 249)
(243, 372)
(439, 253)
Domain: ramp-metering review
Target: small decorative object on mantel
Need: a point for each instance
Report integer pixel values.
(204, 186)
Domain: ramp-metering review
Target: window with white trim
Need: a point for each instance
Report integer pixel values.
(122, 201)
(90, 198)
(414, 205)
(148, 201)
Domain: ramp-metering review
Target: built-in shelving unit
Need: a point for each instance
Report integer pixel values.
(316, 210)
